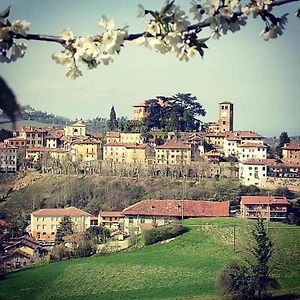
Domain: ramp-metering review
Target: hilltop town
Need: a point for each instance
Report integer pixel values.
(214, 151)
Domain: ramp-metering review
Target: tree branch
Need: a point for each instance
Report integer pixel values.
(133, 36)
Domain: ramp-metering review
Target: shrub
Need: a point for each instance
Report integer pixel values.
(162, 233)
(59, 252)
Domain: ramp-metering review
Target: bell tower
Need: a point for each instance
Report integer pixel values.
(226, 116)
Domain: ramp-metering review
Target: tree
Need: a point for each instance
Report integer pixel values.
(179, 112)
(99, 233)
(283, 139)
(252, 279)
(65, 227)
(112, 122)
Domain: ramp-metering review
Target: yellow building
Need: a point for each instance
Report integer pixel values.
(140, 111)
(131, 138)
(216, 139)
(35, 137)
(44, 222)
(8, 158)
(126, 153)
(36, 153)
(173, 152)
(85, 149)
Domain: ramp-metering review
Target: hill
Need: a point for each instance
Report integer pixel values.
(184, 268)
(24, 123)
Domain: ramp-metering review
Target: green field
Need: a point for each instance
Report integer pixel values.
(186, 267)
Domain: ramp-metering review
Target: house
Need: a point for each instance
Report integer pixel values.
(250, 150)
(35, 137)
(112, 137)
(77, 129)
(43, 153)
(255, 171)
(233, 141)
(131, 138)
(281, 170)
(215, 139)
(173, 152)
(15, 261)
(44, 222)
(271, 208)
(112, 220)
(141, 110)
(291, 153)
(53, 139)
(8, 158)
(85, 149)
(160, 212)
(126, 152)
(19, 142)
(26, 244)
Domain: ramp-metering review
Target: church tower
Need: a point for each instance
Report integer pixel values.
(225, 116)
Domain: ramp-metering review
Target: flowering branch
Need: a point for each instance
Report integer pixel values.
(169, 30)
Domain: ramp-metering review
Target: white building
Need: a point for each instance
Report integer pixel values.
(8, 158)
(76, 130)
(248, 150)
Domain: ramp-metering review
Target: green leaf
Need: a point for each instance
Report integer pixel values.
(5, 13)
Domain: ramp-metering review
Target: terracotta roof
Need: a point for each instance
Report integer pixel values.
(7, 146)
(114, 145)
(174, 145)
(263, 200)
(213, 153)
(216, 135)
(69, 211)
(175, 208)
(117, 214)
(86, 141)
(291, 146)
(94, 218)
(225, 102)
(261, 162)
(16, 139)
(4, 223)
(141, 104)
(252, 145)
(44, 149)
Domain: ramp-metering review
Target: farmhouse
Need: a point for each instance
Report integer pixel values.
(44, 222)
(271, 208)
(160, 212)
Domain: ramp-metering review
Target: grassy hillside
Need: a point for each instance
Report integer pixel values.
(185, 267)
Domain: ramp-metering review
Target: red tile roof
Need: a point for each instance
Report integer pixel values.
(263, 200)
(291, 146)
(69, 211)
(174, 145)
(177, 208)
(117, 214)
(252, 145)
(261, 162)
(7, 146)
(4, 223)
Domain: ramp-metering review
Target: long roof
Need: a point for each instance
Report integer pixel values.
(263, 200)
(60, 212)
(292, 146)
(179, 208)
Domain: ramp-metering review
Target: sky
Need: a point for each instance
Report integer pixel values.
(261, 78)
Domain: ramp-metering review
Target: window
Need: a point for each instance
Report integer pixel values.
(130, 220)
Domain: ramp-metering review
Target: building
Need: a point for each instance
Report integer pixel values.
(215, 139)
(44, 222)
(131, 138)
(291, 153)
(77, 129)
(112, 137)
(85, 149)
(225, 116)
(34, 154)
(271, 208)
(8, 158)
(173, 152)
(53, 139)
(160, 212)
(35, 137)
(113, 220)
(19, 142)
(126, 153)
(140, 111)
(254, 171)
(248, 150)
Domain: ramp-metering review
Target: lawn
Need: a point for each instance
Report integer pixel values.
(186, 267)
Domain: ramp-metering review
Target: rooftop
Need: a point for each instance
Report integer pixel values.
(179, 208)
(292, 146)
(60, 212)
(263, 200)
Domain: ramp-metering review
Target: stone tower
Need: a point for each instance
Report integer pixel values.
(225, 116)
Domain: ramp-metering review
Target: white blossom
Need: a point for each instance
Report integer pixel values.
(158, 45)
(142, 41)
(20, 27)
(153, 28)
(216, 34)
(211, 6)
(197, 11)
(232, 4)
(226, 12)
(191, 51)
(67, 34)
(18, 51)
(62, 58)
(104, 58)
(141, 11)
(106, 23)
(173, 39)
(73, 71)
